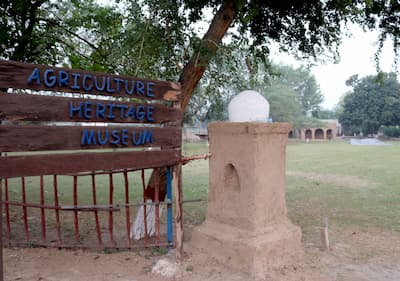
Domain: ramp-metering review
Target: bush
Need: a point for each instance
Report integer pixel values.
(390, 131)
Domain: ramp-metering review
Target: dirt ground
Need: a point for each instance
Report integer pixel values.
(355, 255)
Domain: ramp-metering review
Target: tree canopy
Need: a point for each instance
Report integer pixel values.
(158, 38)
(374, 101)
(303, 83)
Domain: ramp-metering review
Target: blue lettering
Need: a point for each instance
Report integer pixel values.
(62, 78)
(110, 114)
(127, 90)
(150, 109)
(86, 87)
(122, 108)
(103, 84)
(100, 109)
(109, 90)
(140, 113)
(73, 109)
(134, 140)
(49, 81)
(76, 85)
(87, 110)
(124, 136)
(142, 137)
(150, 89)
(115, 135)
(140, 87)
(88, 137)
(118, 82)
(99, 137)
(147, 136)
(35, 75)
(131, 113)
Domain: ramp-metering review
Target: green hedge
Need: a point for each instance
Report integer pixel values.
(390, 131)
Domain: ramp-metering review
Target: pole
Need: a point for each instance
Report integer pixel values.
(169, 206)
(324, 235)
(177, 186)
(1, 231)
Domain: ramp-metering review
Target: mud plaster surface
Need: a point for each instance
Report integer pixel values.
(246, 224)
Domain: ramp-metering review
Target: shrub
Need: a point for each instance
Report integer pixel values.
(390, 131)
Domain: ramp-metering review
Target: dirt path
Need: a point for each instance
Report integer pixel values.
(356, 255)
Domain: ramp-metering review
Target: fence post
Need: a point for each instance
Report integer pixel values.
(177, 185)
(324, 235)
(169, 206)
(1, 230)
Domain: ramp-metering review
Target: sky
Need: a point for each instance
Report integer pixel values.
(357, 55)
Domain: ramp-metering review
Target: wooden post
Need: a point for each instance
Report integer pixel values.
(1, 230)
(324, 235)
(1, 216)
(177, 186)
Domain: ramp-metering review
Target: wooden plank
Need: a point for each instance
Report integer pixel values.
(40, 138)
(40, 77)
(50, 164)
(24, 107)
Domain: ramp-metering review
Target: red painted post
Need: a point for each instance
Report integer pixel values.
(157, 202)
(75, 195)
(25, 210)
(110, 213)
(127, 209)
(7, 209)
(42, 211)
(57, 207)
(146, 237)
(96, 214)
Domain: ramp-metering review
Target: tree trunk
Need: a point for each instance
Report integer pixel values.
(194, 69)
(192, 73)
(198, 63)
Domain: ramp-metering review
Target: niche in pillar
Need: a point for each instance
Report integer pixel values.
(231, 179)
(231, 192)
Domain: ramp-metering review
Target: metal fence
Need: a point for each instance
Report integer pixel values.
(87, 210)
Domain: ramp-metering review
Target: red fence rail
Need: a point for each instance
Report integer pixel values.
(53, 231)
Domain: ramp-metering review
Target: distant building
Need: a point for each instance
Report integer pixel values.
(330, 129)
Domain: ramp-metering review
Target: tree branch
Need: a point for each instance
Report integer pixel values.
(141, 47)
(169, 42)
(194, 69)
(51, 21)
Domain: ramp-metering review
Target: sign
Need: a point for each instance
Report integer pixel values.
(158, 124)
(40, 77)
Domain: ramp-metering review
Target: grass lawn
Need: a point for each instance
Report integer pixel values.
(352, 185)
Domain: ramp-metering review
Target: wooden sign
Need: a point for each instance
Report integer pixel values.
(40, 77)
(55, 118)
(43, 138)
(51, 164)
(24, 107)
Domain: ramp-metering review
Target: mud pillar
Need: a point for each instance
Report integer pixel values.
(246, 224)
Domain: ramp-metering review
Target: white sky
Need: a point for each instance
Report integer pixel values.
(356, 57)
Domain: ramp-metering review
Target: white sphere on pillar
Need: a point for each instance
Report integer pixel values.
(248, 106)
